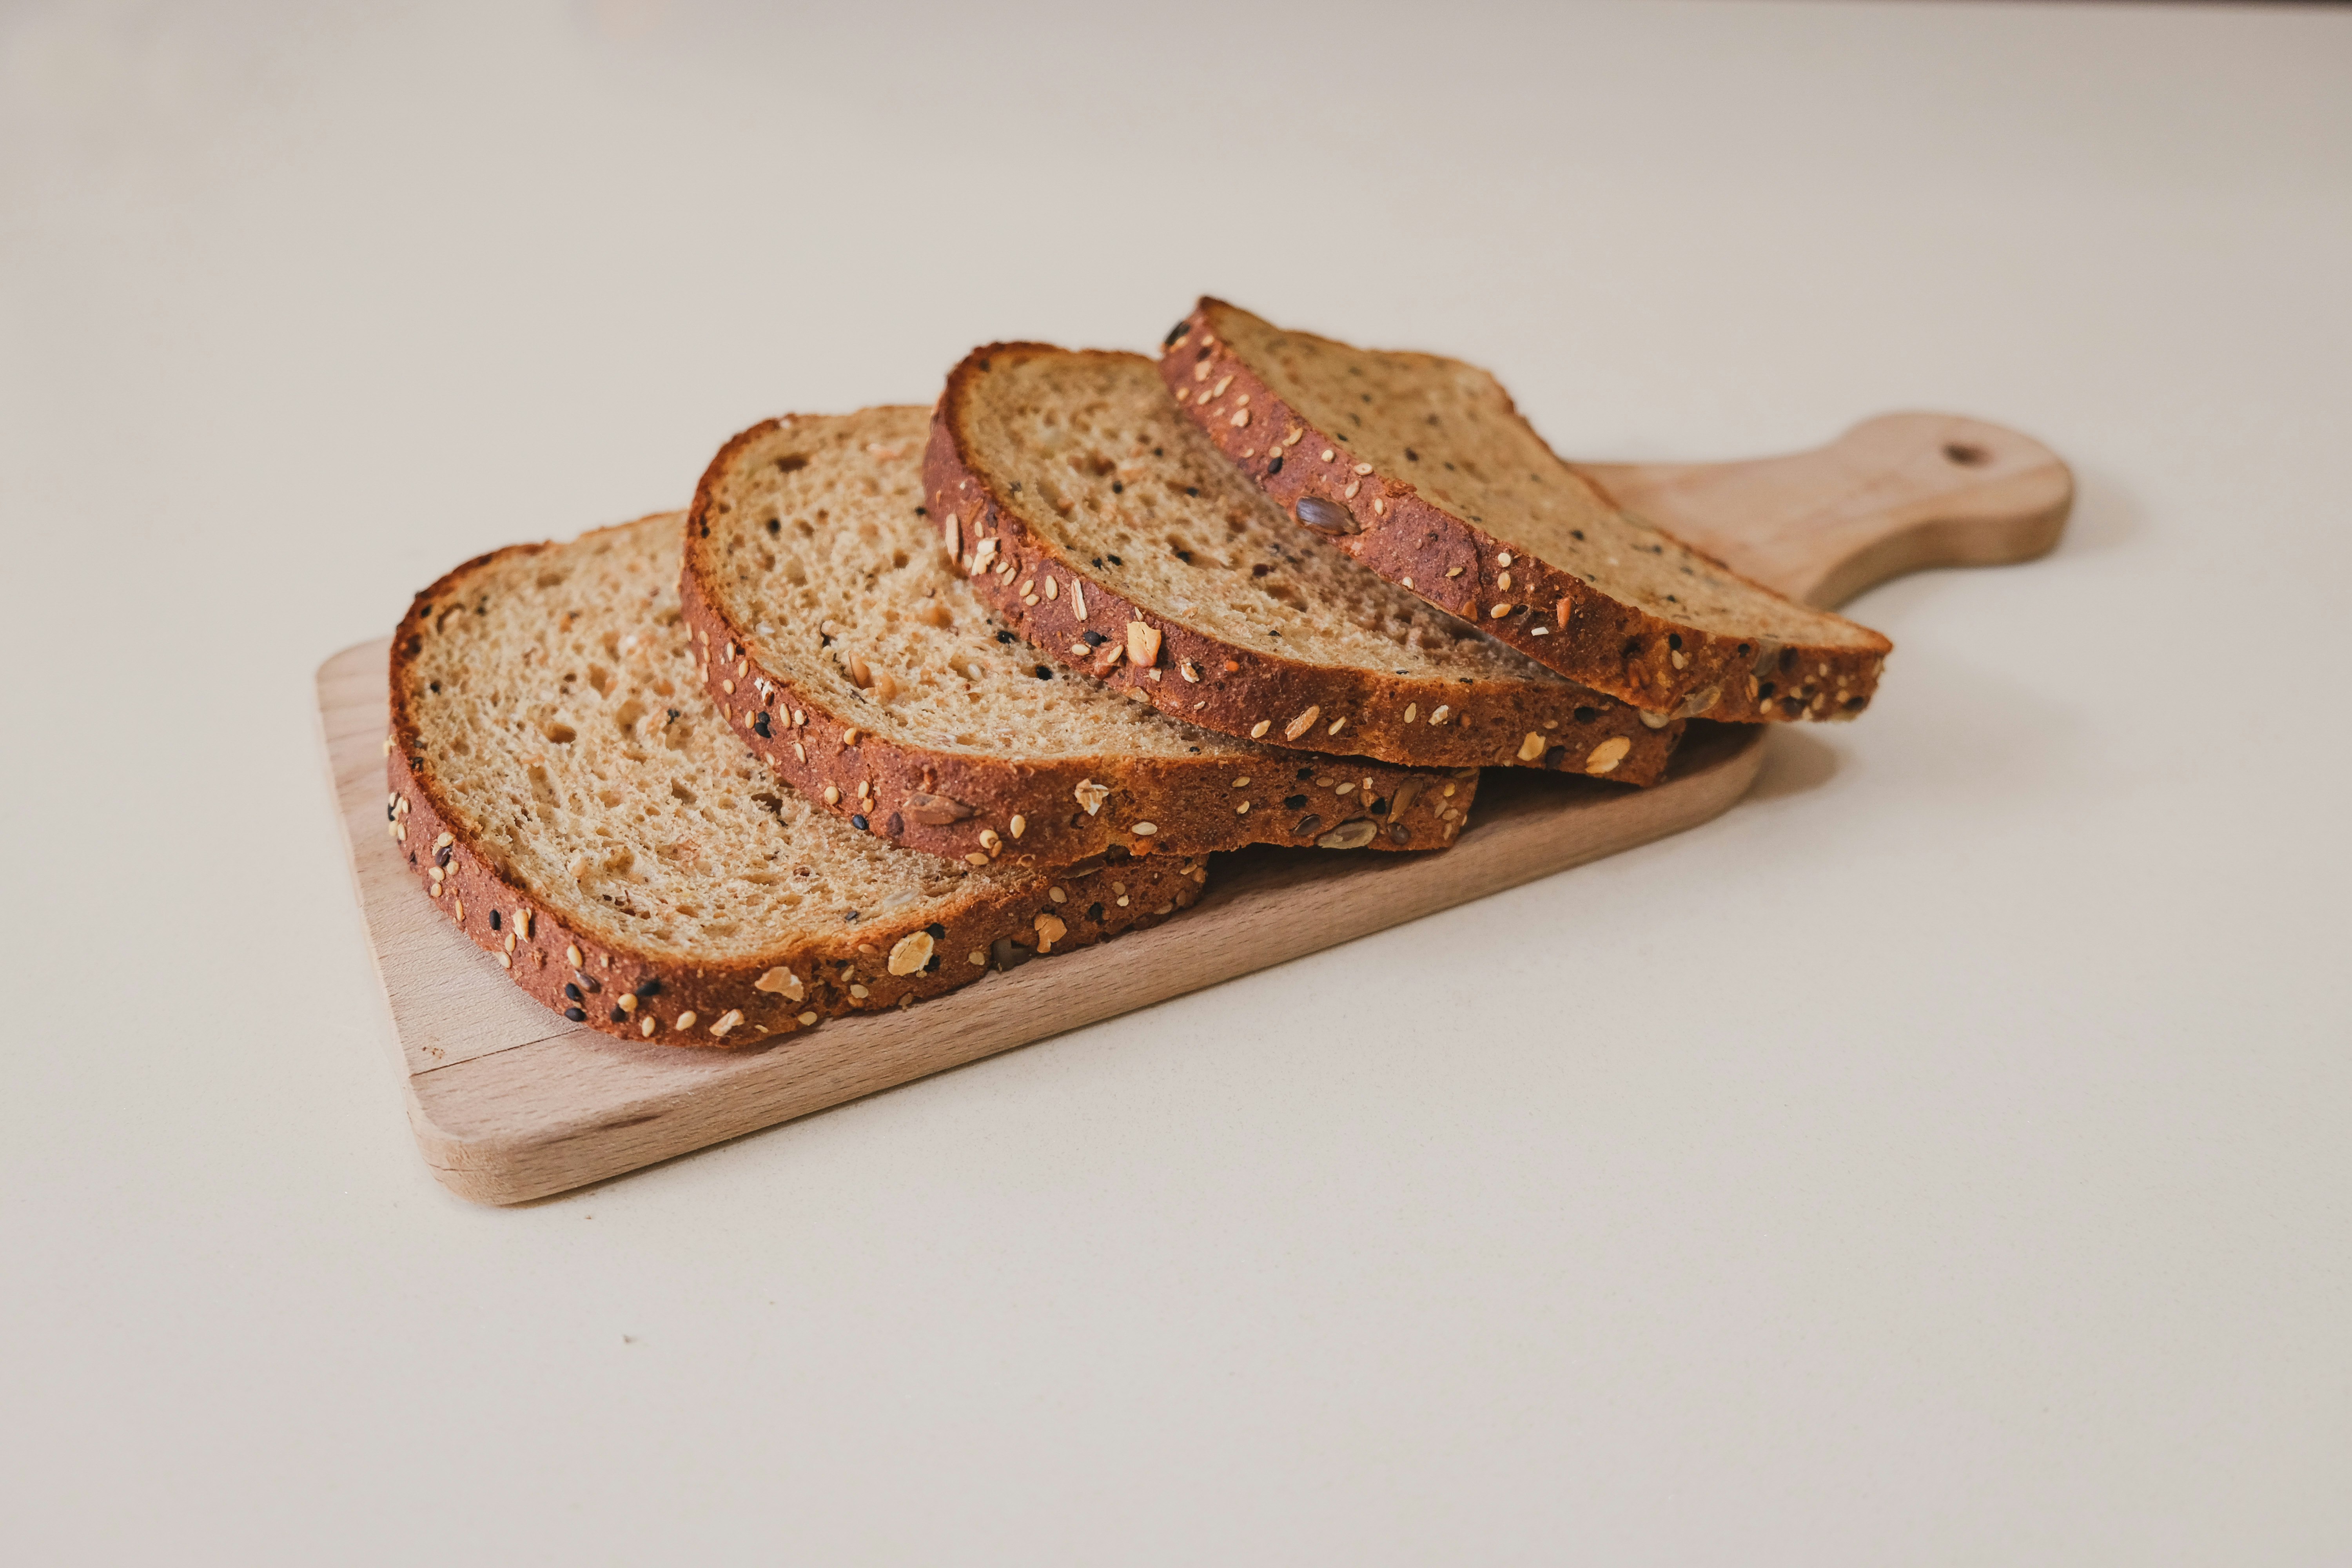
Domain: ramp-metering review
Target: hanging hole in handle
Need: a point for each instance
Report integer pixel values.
(1967, 456)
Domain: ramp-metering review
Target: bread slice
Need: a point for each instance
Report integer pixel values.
(855, 658)
(572, 800)
(1111, 534)
(1420, 468)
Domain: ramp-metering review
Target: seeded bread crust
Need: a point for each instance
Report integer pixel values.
(1382, 520)
(1207, 681)
(891, 961)
(978, 809)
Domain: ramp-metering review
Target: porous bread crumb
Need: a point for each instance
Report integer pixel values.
(1450, 431)
(831, 551)
(1127, 485)
(812, 545)
(573, 744)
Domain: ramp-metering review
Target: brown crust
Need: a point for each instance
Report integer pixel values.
(1191, 802)
(471, 888)
(1241, 691)
(1589, 637)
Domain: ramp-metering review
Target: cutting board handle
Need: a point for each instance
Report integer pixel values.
(1899, 494)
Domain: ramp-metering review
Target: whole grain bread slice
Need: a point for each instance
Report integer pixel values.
(1420, 468)
(1109, 532)
(570, 798)
(848, 651)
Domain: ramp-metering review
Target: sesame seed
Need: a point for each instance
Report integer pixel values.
(1327, 454)
(1243, 809)
(1499, 612)
(1437, 716)
(1353, 485)
(505, 962)
(1058, 896)
(1304, 722)
(977, 958)
(976, 859)
(1144, 829)
(1018, 824)
(1453, 571)
(832, 795)
(1241, 783)
(1337, 725)
(1409, 709)
(860, 993)
(685, 1020)
(1504, 581)
(1531, 749)
(571, 953)
(1258, 730)
(808, 1018)
(444, 842)
(1503, 559)
(647, 1025)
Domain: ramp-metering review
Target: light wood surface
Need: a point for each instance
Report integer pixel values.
(509, 1102)
(1899, 493)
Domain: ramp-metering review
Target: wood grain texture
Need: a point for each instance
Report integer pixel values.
(509, 1102)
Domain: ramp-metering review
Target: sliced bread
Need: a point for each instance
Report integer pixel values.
(1420, 468)
(1110, 534)
(848, 651)
(570, 798)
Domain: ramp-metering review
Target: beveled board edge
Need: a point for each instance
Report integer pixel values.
(546, 1105)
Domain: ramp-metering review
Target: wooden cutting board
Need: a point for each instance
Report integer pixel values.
(509, 1102)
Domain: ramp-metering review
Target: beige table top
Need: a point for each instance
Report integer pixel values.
(1940, 1157)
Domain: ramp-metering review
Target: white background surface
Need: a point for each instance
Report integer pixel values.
(1943, 1158)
